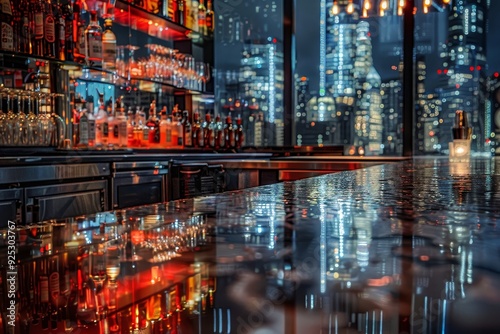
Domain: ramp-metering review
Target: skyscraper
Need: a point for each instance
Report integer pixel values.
(465, 64)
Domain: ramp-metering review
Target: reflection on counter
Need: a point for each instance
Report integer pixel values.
(408, 247)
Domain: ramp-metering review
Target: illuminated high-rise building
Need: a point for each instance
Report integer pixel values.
(261, 80)
(392, 111)
(465, 64)
(340, 56)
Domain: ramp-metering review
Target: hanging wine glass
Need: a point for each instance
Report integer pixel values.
(43, 120)
(11, 121)
(3, 121)
(32, 120)
(59, 128)
(22, 120)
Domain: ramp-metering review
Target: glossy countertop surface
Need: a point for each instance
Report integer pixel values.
(405, 247)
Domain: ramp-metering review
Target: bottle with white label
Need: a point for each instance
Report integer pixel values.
(93, 41)
(6, 26)
(108, 46)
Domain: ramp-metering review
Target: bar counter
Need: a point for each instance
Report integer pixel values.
(405, 247)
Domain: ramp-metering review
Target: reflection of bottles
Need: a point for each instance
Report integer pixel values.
(108, 46)
(44, 294)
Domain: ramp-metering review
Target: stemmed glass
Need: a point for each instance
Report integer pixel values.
(3, 122)
(10, 121)
(33, 125)
(22, 121)
(57, 123)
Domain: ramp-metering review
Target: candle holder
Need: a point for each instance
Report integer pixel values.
(460, 148)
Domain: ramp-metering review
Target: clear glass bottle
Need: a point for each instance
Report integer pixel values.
(93, 41)
(197, 132)
(187, 127)
(202, 17)
(108, 46)
(153, 124)
(209, 18)
(6, 26)
(165, 129)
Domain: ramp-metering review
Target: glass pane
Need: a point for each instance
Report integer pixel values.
(249, 68)
(348, 88)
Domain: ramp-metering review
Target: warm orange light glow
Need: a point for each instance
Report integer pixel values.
(427, 3)
(368, 5)
(335, 9)
(446, 1)
(426, 9)
(350, 8)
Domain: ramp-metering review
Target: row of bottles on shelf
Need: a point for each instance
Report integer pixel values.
(63, 30)
(193, 14)
(104, 128)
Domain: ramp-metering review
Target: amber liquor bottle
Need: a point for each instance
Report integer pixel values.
(49, 31)
(6, 26)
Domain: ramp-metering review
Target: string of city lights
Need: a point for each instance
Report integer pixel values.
(369, 6)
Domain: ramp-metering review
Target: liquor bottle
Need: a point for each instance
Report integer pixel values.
(91, 120)
(190, 18)
(202, 17)
(60, 30)
(197, 132)
(93, 41)
(24, 38)
(55, 291)
(78, 33)
(141, 129)
(209, 18)
(101, 123)
(119, 128)
(220, 139)
(240, 133)
(6, 26)
(69, 38)
(177, 129)
(108, 46)
(38, 24)
(153, 124)
(83, 130)
(165, 129)
(180, 14)
(49, 31)
(209, 131)
(187, 134)
(229, 133)
(130, 128)
(171, 9)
